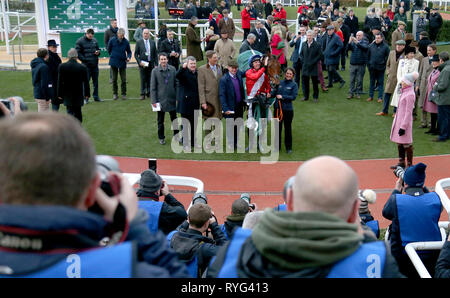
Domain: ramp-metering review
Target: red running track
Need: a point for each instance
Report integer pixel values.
(225, 180)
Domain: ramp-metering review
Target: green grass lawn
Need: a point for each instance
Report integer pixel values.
(335, 125)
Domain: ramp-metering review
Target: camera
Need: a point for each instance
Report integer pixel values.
(199, 198)
(7, 103)
(246, 197)
(399, 172)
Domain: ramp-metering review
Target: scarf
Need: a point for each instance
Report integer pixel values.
(297, 240)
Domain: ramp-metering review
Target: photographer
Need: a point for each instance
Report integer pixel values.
(190, 241)
(11, 106)
(414, 215)
(46, 229)
(239, 210)
(165, 216)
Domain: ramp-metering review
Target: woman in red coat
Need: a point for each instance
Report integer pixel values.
(279, 11)
(246, 18)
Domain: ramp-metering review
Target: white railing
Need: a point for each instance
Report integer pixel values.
(412, 247)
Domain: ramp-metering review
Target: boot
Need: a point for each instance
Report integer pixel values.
(401, 157)
(409, 155)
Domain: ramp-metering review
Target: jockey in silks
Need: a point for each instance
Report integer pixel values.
(258, 90)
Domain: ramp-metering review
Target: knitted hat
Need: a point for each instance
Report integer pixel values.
(410, 78)
(415, 175)
(366, 197)
(150, 181)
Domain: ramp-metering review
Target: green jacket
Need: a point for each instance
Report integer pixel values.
(443, 84)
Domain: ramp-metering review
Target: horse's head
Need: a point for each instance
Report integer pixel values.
(273, 69)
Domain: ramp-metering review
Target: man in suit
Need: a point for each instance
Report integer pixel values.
(171, 47)
(188, 101)
(208, 88)
(295, 58)
(73, 84)
(145, 55)
(262, 40)
(232, 96)
(310, 56)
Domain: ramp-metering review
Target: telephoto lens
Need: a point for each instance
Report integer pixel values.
(246, 197)
(399, 172)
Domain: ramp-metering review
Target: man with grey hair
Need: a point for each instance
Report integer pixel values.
(146, 58)
(319, 236)
(120, 54)
(248, 44)
(73, 84)
(251, 219)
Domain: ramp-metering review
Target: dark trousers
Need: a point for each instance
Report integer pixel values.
(238, 113)
(191, 119)
(387, 98)
(75, 111)
(123, 78)
(93, 74)
(333, 75)
(246, 32)
(305, 86)
(356, 78)
(287, 121)
(298, 69)
(161, 116)
(378, 77)
(343, 56)
(444, 121)
(144, 73)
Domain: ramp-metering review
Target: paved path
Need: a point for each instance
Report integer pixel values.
(225, 180)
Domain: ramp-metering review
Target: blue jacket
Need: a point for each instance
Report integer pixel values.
(119, 51)
(288, 89)
(378, 55)
(227, 94)
(41, 78)
(76, 231)
(333, 50)
(295, 54)
(390, 211)
(359, 52)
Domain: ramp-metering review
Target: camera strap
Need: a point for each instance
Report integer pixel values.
(23, 240)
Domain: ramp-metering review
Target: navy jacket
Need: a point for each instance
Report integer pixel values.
(288, 89)
(41, 78)
(359, 52)
(86, 49)
(352, 24)
(333, 50)
(378, 55)
(227, 94)
(295, 54)
(188, 98)
(153, 257)
(119, 51)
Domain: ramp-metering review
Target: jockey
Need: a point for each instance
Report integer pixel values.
(257, 82)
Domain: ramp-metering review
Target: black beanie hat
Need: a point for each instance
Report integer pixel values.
(415, 175)
(150, 181)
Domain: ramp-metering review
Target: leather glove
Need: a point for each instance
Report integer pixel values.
(401, 132)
